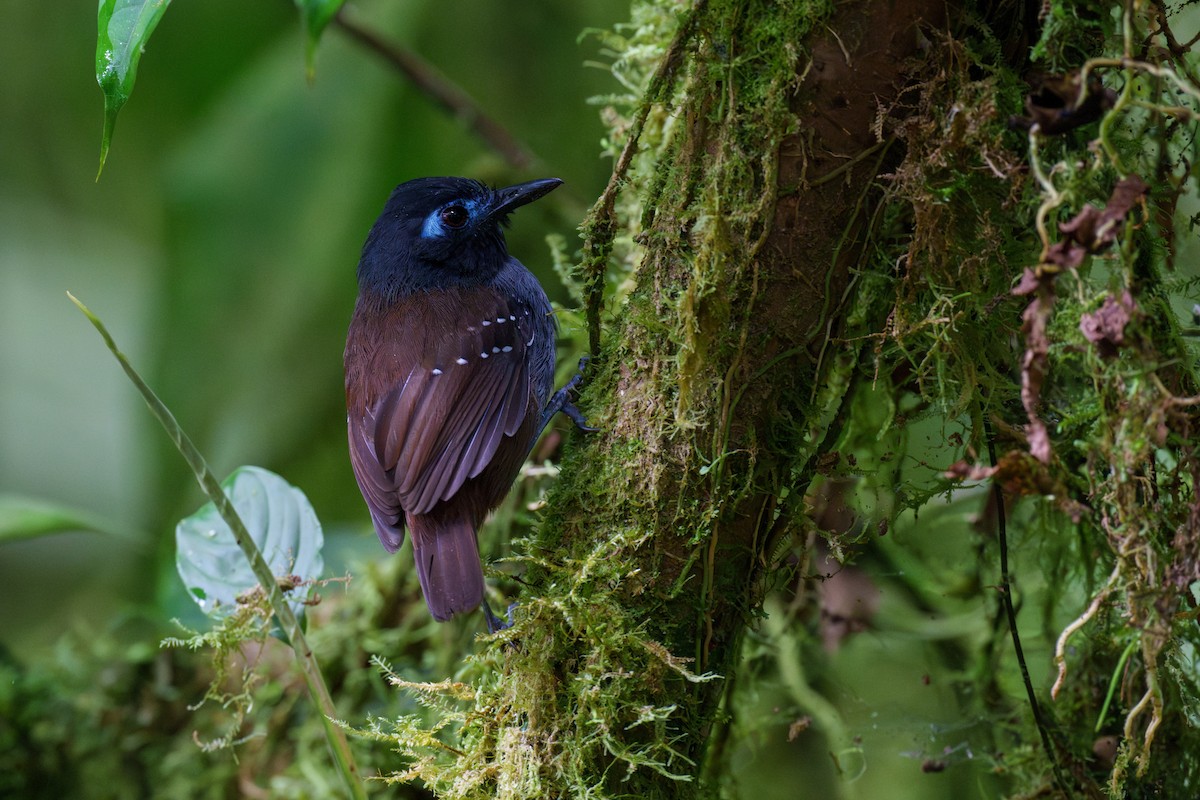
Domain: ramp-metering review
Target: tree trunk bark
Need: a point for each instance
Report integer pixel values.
(713, 378)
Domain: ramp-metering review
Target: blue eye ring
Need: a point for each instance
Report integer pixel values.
(454, 216)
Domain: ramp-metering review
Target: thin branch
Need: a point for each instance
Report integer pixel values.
(442, 91)
(1010, 612)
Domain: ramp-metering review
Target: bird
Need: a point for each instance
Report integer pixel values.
(449, 367)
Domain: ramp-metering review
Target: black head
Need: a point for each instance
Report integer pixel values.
(437, 232)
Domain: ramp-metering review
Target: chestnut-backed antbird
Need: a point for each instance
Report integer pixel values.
(449, 375)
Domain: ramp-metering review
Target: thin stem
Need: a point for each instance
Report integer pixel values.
(1112, 684)
(1010, 612)
(262, 571)
(1052, 197)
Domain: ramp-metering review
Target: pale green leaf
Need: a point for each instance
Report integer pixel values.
(280, 521)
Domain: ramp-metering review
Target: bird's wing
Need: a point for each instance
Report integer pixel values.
(442, 422)
(376, 486)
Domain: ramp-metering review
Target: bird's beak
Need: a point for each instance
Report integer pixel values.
(516, 196)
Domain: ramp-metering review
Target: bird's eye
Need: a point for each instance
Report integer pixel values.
(454, 216)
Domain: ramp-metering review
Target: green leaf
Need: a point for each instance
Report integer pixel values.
(316, 15)
(28, 518)
(282, 524)
(122, 28)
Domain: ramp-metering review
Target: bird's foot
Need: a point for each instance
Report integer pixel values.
(576, 416)
(561, 401)
(494, 623)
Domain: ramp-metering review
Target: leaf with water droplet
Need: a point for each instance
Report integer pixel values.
(122, 29)
(280, 521)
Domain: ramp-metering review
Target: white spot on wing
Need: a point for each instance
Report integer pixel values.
(460, 361)
(508, 348)
(437, 371)
(483, 355)
(495, 349)
(487, 322)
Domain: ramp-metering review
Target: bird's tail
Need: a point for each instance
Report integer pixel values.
(447, 557)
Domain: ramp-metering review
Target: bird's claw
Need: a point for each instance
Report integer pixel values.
(494, 623)
(561, 401)
(576, 416)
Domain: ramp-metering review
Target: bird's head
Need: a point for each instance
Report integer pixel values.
(440, 232)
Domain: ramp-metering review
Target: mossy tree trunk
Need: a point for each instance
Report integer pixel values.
(821, 210)
(717, 380)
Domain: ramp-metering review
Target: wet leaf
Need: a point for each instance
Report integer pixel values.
(122, 29)
(282, 524)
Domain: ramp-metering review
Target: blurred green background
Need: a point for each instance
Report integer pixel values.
(220, 246)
